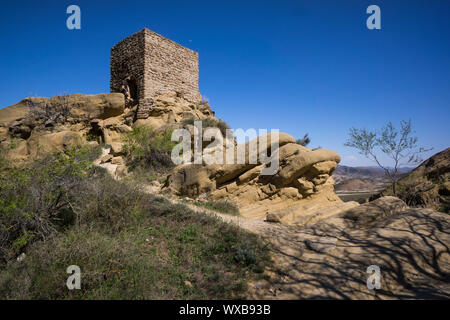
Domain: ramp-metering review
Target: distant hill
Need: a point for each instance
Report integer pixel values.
(373, 174)
(428, 185)
(343, 173)
(355, 184)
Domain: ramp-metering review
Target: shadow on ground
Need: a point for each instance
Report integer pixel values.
(410, 246)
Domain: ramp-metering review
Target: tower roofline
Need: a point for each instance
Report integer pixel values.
(148, 31)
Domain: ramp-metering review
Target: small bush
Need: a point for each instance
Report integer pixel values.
(37, 200)
(93, 137)
(148, 149)
(303, 141)
(246, 255)
(3, 159)
(144, 176)
(205, 100)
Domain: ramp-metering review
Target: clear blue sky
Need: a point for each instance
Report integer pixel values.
(300, 66)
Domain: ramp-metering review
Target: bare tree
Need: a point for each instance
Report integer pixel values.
(52, 111)
(398, 145)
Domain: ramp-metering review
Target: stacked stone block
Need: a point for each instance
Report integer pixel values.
(145, 65)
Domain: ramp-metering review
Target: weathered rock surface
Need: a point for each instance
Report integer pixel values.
(41, 144)
(428, 185)
(301, 187)
(37, 126)
(79, 107)
(329, 259)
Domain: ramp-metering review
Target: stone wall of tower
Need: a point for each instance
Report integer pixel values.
(170, 67)
(128, 61)
(157, 65)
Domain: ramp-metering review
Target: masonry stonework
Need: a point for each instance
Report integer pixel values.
(146, 64)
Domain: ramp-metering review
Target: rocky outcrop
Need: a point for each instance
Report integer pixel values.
(330, 259)
(301, 187)
(170, 111)
(37, 126)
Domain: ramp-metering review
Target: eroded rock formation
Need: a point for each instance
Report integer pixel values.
(301, 188)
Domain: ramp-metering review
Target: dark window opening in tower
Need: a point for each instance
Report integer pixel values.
(132, 87)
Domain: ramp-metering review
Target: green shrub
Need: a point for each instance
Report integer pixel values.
(144, 176)
(246, 255)
(128, 244)
(148, 149)
(93, 137)
(37, 200)
(303, 141)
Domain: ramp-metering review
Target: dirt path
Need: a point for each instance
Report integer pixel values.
(287, 247)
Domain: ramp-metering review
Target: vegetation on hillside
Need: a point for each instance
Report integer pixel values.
(38, 200)
(428, 185)
(148, 153)
(62, 211)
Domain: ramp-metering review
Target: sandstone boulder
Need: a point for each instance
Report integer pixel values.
(106, 158)
(100, 106)
(40, 145)
(369, 214)
(117, 160)
(302, 163)
(103, 118)
(116, 148)
(79, 107)
(38, 125)
(301, 186)
(332, 254)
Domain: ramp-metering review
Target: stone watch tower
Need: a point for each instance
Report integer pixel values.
(146, 64)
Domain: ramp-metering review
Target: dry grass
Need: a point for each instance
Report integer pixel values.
(132, 245)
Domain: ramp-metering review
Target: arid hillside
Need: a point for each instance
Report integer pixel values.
(355, 184)
(428, 185)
